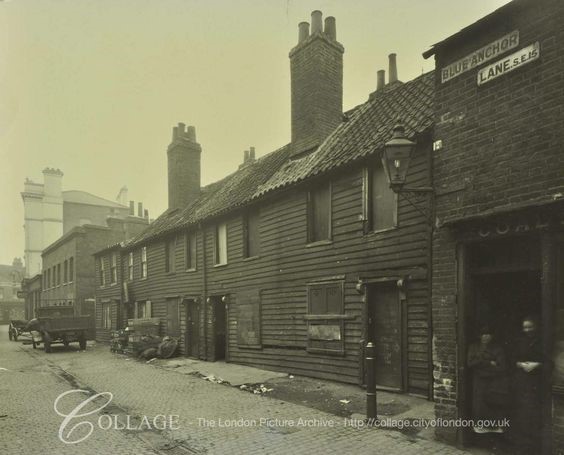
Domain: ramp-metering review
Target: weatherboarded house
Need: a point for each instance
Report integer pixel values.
(300, 257)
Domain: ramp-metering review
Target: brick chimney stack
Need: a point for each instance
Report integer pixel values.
(183, 167)
(316, 67)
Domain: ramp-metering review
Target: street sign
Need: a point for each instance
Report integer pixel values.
(511, 62)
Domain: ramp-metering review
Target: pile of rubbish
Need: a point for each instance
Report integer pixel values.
(255, 388)
(165, 348)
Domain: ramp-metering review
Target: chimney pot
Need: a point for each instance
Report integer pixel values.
(132, 208)
(191, 133)
(303, 31)
(381, 80)
(146, 214)
(393, 70)
(245, 156)
(140, 209)
(181, 129)
(316, 22)
(331, 28)
(252, 154)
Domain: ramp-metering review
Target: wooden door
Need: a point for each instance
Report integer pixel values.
(192, 337)
(220, 322)
(172, 317)
(385, 331)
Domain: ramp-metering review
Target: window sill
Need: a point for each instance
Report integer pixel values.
(340, 353)
(251, 258)
(319, 243)
(191, 270)
(170, 273)
(220, 265)
(380, 231)
(113, 284)
(143, 278)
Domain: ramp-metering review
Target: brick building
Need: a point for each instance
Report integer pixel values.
(68, 277)
(297, 259)
(498, 251)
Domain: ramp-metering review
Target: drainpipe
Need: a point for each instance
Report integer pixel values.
(204, 291)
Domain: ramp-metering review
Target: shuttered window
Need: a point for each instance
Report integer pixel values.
(319, 213)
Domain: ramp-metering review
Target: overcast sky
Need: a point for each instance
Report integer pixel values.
(94, 87)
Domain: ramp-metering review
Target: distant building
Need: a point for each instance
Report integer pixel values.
(50, 212)
(68, 276)
(11, 306)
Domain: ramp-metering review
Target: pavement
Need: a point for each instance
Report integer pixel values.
(159, 408)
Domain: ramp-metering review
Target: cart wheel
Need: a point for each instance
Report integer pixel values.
(46, 342)
(82, 342)
(10, 333)
(15, 336)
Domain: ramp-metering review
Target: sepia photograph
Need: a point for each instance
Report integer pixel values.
(282, 227)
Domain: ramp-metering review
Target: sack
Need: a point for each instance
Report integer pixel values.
(497, 394)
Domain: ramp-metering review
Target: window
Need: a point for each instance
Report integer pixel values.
(380, 200)
(106, 316)
(48, 278)
(66, 272)
(251, 245)
(190, 251)
(58, 274)
(144, 262)
(143, 309)
(221, 244)
(170, 255)
(325, 317)
(319, 213)
(130, 266)
(71, 270)
(102, 272)
(113, 268)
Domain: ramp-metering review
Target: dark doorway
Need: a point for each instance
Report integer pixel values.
(384, 329)
(500, 282)
(220, 323)
(192, 337)
(173, 317)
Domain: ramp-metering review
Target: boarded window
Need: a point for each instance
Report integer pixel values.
(248, 319)
(319, 213)
(251, 234)
(382, 201)
(143, 309)
(173, 318)
(190, 251)
(325, 317)
(221, 244)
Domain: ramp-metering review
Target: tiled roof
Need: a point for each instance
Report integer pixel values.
(82, 197)
(365, 132)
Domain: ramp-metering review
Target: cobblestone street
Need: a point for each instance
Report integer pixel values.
(213, 418)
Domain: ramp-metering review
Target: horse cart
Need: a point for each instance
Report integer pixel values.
(16, 328)
(62, 329)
